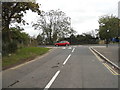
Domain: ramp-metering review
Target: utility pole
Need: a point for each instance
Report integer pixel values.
(0, 45)
(119, 29)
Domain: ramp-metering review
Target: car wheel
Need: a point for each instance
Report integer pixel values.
(57, 45)
(67, 45)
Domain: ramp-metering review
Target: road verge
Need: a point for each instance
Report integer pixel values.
(22, 56)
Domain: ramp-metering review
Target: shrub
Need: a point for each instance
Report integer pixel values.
(8, 48)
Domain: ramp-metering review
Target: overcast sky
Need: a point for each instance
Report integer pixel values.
(84, 14)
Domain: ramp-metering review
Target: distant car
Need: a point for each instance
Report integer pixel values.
(62, 43)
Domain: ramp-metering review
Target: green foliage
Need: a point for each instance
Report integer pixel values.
(82, 39)
(73, 39)
(12, 47)
(9, 48)
(40, 39)
(54, 25)
(18, 38)
(23, 54)
(108, 27)
(13, 12)
(87, 39)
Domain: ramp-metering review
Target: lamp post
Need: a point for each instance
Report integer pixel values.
(107, 34)
(107, 39)
(118, 30)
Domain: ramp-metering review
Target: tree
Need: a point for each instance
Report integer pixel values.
(19, 36)
(73, 39)
(40, 39)
(13, 12)
(19, 39)
(108, 27)
(86, 38)
(54, 25)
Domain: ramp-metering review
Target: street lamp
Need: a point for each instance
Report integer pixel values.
(102, 24)
(108, 31)
(107, 39)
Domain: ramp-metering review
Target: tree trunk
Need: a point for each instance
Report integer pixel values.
(7, 29)
(51, 42)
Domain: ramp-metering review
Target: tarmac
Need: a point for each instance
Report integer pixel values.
(112, 53)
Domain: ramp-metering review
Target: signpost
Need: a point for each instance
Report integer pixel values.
(119, 31)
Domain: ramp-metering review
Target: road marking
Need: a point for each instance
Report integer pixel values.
(66, 59)
(96, 55)
(56, 74)
(107, 59)
(63, 48)
(69, 47)
(110, 69)
(73, 50)
(107, 66)
(52, 80)
(115, 73)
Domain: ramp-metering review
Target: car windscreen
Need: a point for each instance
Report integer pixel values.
(62, 41)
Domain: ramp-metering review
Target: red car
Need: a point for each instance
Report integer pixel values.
(62, 43)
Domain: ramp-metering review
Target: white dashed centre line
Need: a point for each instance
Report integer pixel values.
(73, 50)
(52, 80)
(57, 73)
(66, 59)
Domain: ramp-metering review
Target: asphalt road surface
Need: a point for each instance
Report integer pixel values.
(63, 67)
(112, 53)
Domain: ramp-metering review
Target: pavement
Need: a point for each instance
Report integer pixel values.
(111, 53)
(63, 67)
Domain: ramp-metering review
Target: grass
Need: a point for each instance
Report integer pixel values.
(22, 55)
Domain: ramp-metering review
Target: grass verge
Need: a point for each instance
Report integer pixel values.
(22, 55)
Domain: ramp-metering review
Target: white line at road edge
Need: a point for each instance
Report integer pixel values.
(66, 59)
(73, 50)
(52, 80)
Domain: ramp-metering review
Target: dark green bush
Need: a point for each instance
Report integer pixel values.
(9, 48)
(12, 47)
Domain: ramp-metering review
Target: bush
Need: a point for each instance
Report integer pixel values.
(9, 48)
(12, 47)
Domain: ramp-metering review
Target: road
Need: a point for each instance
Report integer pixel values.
(64, 67)
(111, 52)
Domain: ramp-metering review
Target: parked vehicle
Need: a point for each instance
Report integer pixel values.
(62, 43)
